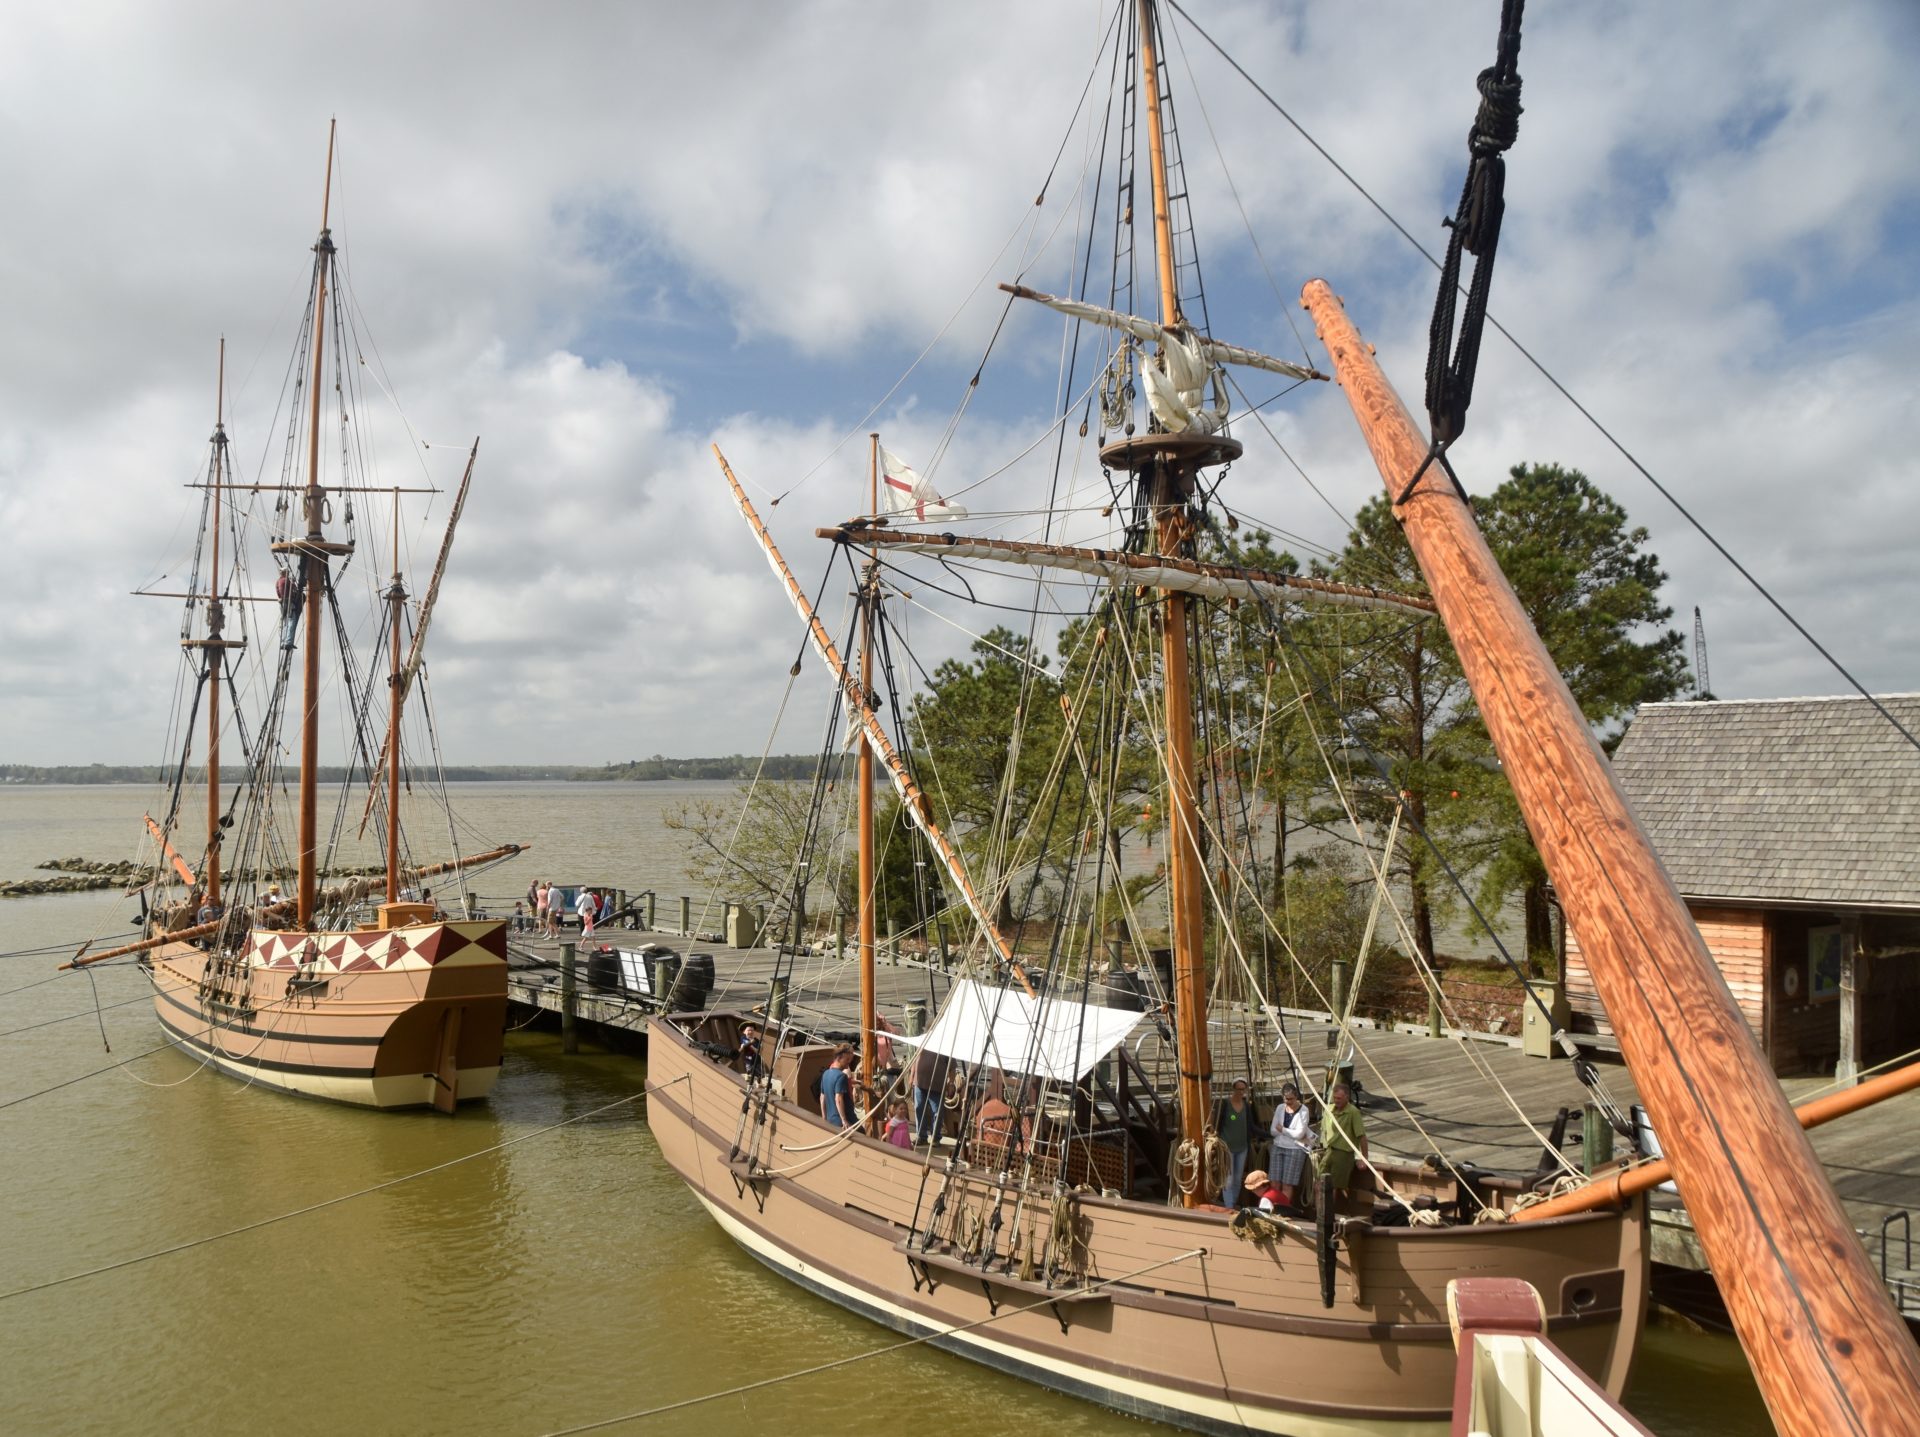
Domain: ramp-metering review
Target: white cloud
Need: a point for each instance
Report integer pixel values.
(600, 236)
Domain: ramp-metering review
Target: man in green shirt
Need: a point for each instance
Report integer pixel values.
(1343, 1133)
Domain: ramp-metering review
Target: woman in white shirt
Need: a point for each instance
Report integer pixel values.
(1292, 1126)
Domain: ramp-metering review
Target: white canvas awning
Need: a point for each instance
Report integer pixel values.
(1056, 1039)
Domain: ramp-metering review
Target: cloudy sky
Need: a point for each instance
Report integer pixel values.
(603, 237)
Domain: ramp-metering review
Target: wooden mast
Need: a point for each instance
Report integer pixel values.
(869, 1056)
(397, 598)
(313, 561)
(216, 621)
(1831, 1355)
(1172, 483)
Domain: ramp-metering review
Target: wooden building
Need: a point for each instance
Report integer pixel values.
(1792, 828)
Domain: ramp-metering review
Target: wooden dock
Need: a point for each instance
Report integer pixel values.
(1470, 1098)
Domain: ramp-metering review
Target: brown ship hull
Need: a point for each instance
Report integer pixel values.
(384, 1018)
(1235, 1339)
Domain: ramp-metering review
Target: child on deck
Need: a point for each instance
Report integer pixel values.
(899, 1132)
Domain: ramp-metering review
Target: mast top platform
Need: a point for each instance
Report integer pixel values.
(1185, 452)
(311, 546)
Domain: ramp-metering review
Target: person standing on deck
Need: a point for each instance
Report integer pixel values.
(836, 1091)
(1292, 1127)
(1343, 1135)
(587, 905)
(930, 1073)
(1236, 1120)
(541, 894)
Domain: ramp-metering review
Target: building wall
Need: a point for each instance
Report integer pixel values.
(1736, 937)
(1800, 1030)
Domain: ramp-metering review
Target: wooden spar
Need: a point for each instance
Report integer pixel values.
(415, 651)
(919, 812)
(1183, 810)
(282, 909)
(1831, 1355)
(314, 565)
(180, 865)
(1170, 317)
(1226, 580)
(869, 596)
(1613, 1189)
(397, 598)
(215, 657)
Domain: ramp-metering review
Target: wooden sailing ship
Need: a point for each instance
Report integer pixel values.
(1037, 1243)
(362, 990)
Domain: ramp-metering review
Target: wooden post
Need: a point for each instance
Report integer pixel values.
(893, 943)
(653, 908)
(1436, 1028)
(839, 935)
(686, 916)
(1337, 994)
(1596, 1140)
(1847, 1069)
(1830, 1353)
(569, 1000)
(777, 999)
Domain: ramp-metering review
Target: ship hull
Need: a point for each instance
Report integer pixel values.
(1232, 1339)
(384, 1018)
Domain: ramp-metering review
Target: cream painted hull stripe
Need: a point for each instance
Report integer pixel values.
(400, 1090)
(1254, 1419)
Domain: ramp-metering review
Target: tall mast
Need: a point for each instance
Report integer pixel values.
(216, 621)
(313, 563)
(869, 1064)
(1172, 482)
(1830, 1353)
(397, 597)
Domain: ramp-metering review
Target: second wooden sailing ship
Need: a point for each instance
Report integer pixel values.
(362, 990)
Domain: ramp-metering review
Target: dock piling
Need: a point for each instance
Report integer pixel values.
(569, 1001)
(1596, 1139)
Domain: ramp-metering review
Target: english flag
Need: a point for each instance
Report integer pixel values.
(907, 493)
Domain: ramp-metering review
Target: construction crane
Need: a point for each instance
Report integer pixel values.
(1702, 688)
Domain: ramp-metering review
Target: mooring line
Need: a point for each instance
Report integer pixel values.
(745, 1387)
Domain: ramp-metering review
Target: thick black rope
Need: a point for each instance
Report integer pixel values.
(1475, 230)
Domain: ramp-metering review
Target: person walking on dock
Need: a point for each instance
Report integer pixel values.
(540, 893)
(587, 905)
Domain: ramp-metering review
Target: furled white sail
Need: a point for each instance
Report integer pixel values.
(1175, 387)
(1142, 571)
(910, 496)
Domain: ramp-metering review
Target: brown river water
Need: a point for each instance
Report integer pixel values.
(562, 1280)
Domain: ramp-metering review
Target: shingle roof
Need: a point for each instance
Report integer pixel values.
(1790, 800)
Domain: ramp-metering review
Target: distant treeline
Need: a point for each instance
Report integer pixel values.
(736, 766)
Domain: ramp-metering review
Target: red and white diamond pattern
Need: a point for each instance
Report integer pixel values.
(383, 949)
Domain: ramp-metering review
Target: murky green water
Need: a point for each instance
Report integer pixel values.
(564, 1279)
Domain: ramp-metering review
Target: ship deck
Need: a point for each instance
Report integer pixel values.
(1872, 1158)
